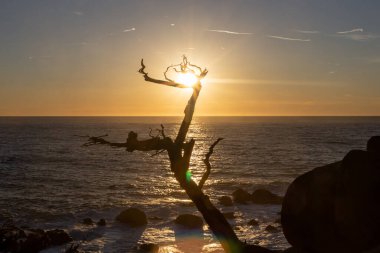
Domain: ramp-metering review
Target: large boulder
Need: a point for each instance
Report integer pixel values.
(133, 217)
(189, 221)
(336, 208)
(262, 196)
(241, 196)
(225, 201)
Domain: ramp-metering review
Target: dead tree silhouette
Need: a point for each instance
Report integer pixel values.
(179, 152)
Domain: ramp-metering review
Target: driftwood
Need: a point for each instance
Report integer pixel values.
(179, 152)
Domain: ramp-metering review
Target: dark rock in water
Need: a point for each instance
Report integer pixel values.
(271, 229)
(133, 217)
(58, 237)
(336, 208)
(87, 221)
(229, 215)
(241, 196)
(101, 222)
(17, 240)
(149, 248)
(262, 196)
(13, 239)
(225, 201)
(189, 221)
(278, 221)
(253, 222)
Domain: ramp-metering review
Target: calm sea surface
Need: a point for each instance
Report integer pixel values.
(49, 180)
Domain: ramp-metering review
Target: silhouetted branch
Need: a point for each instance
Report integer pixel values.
(153, 80)
(94, 140)
(207, 162)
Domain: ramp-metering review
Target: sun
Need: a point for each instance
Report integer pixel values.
(188, 79)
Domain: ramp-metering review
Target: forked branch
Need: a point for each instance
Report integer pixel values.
(207, 163)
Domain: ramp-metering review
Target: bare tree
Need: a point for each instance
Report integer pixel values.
(179, 152)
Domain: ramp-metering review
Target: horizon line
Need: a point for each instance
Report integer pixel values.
(105, 116)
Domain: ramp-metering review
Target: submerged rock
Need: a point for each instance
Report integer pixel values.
(253, 222)
(225, 201)
(133, 217)
(149, 248)
(87, 221)
(241, 196)
(101, 222)
(262, 196)
(271, 229)
(189, 221)
(336, 208)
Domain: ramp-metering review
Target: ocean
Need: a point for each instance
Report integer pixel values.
(49, 180)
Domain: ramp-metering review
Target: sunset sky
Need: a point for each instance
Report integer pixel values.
(265, 57)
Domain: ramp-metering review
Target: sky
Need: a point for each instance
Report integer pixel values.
(265, 57)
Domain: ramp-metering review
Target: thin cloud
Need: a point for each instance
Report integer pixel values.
(78, 13)
(289, 39)
(359, 37)
(307, 32)
(229, 32)
(352, 31)
(129, 30)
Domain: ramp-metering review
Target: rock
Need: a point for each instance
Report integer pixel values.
(229, 215)
(373, 144)
(149, 248)
(225, 201)
(262, 196)
(253, 222)
(133, 217)
(58, 237)
(271, 229)
(87, 221)
(101, 222)
(14, 239)
(241, 196)
(336, 208)
(189, 221)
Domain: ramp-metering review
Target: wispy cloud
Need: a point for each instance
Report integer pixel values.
(307, 31)
(229, 32)
(129, 30)
(359, 37)
(289, 39)
(352, 31)
(78, 13)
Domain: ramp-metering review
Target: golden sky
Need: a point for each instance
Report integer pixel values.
(76, 58)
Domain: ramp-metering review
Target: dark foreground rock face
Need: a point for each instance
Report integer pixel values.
(17, 240)
(189, 221)
(336, 208)
(133, 217)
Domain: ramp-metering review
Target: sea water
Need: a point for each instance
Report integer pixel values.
(49, 180)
